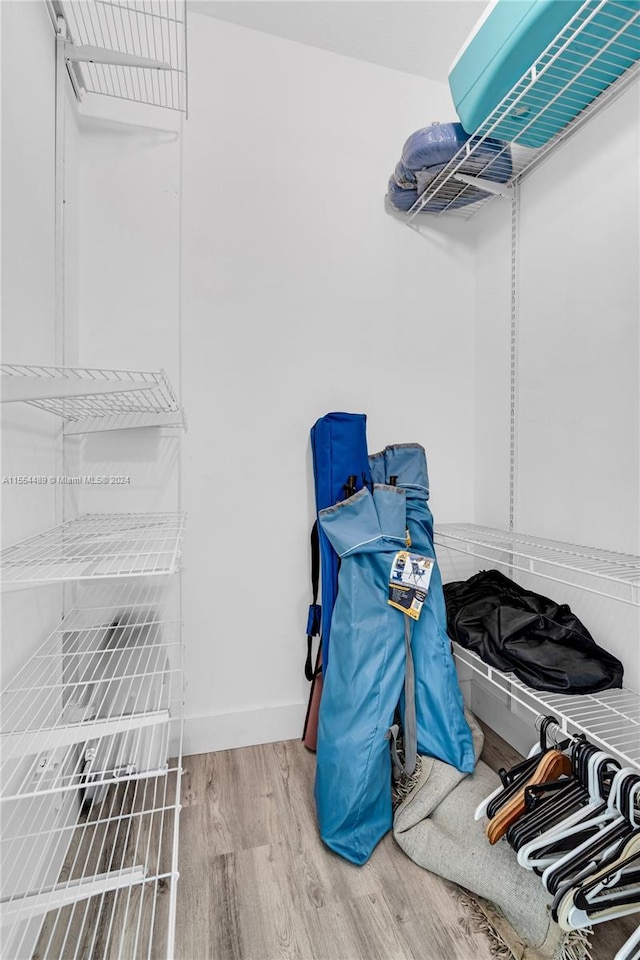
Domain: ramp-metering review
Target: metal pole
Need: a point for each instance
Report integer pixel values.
(59, 259)
(513, 376)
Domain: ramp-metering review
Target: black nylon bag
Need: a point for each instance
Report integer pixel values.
(518, 631)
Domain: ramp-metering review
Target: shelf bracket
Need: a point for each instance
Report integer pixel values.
(115, 58)
(500, 189)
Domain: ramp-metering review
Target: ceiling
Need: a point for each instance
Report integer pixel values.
(416, 36)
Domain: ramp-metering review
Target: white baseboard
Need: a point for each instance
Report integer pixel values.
(224, 731)
(246, 728)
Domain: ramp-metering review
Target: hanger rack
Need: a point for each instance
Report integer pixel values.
(553, 730)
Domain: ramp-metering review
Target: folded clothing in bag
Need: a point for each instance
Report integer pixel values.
(427, 152)
(518, 631)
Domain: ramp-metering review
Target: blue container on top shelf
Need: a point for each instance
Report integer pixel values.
(513, 35)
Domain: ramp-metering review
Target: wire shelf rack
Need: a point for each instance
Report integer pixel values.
(557, 94)
(90, 794)
(113, 895)
(128, 49)
(96, 546)
(610, 719)
(603, 572)
(107, 678)
(91, 399)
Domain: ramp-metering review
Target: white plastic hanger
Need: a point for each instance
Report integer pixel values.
(631, 949)
(481, 809)
(574, 917)
(605, 879)
(574, 823)
(614, 817)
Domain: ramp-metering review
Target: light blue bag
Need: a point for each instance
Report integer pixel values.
(364, 680)
(443, 731)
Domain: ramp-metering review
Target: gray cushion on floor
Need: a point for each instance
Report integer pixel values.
(435, 828)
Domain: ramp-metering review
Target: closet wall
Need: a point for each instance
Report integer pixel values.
(579, 395)
(301, 296)
(129, 288)
(578, 352)
(31, 439)
(578, 307)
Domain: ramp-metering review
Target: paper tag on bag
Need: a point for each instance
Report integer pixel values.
(409, 582)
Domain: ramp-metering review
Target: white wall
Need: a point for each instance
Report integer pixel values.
(492, 231)
(30, 438)
(579, 344)
(578, 423)
(128, 290)
(578, 308)
(579, 395)
(301, 296)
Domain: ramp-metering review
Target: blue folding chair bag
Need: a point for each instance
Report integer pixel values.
(339, 450)
(365, 677)
(442, 729)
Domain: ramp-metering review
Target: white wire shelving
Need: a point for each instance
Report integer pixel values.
(112, 897)
(91, 399)
(105, 677)
(90, 773)
(91, 740)
(610, 719)
(127, 49)
(97, 546)
(603, 572)
(559, 92)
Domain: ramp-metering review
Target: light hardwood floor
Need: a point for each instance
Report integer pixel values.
(256, 882)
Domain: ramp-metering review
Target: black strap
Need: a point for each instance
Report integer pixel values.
(315, 579)
(315, 560)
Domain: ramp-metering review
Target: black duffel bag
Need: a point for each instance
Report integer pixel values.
(522, 632)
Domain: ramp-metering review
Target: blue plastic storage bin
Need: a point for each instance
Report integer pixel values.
(513, 35)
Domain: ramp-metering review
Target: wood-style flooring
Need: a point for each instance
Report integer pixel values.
(256, 882)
